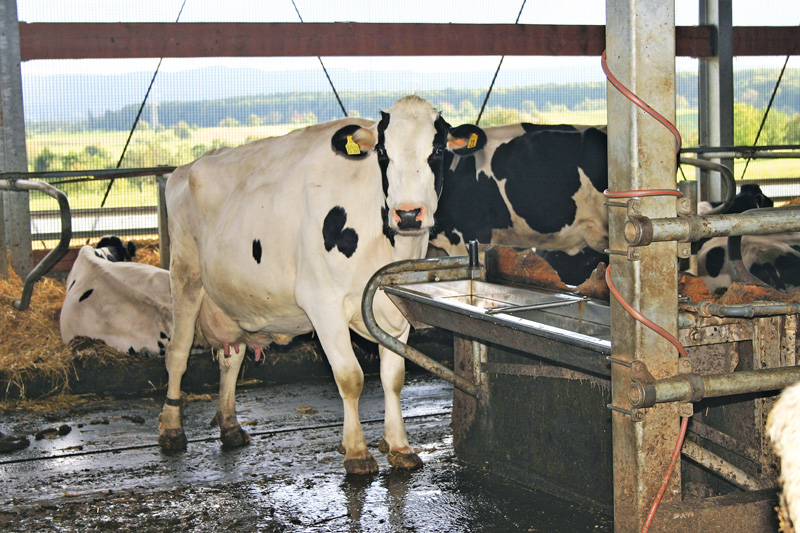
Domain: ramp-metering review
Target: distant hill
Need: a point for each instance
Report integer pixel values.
(207, 95)
(67, 97)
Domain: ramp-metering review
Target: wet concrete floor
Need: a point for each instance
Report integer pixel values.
(97, 467)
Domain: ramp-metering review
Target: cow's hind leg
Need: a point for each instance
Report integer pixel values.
(230, 432)
(187, 293)
(395, 441)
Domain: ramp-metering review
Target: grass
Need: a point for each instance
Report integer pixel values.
(97, 149)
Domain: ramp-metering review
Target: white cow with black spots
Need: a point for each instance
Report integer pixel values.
(281, 236)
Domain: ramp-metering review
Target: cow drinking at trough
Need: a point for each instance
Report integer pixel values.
(281, 235)
(531, 186)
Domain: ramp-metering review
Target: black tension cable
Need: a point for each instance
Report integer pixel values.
(325, 70)
(138, 116)
(766, 113)
(491, 85)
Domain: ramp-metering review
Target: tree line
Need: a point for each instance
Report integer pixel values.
(752, 87)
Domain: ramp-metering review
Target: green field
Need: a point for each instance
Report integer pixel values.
(174, 146)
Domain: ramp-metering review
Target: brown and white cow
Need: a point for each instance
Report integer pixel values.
(282, 235)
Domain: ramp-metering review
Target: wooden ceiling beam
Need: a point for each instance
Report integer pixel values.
(138, 40)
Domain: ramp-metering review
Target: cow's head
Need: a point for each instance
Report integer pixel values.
(112, 248)
(409, 143)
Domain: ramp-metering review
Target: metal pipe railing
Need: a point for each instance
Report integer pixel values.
(415, 271)
(727, 178)
(720, 466)
(641, 230)
(694, 387)
(751, 310)
(54, 255)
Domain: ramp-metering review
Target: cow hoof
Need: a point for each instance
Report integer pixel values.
(172, 440)
(404, 461)
(383, 446)
(234, 437)
(367, 465)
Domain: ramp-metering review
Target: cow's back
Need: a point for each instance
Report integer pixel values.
(251, 220)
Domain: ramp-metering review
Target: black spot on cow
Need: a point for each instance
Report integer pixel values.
(380, 149)
(334, 233)
(72, 284)
(387, 231)
(85, 295)
(473, 207)
(161, 347)
(257, 250)
(782, 273)
(163, 335)
(574, 269)
(535, 128)
(541, 174)
(715, 260)
(116, 249)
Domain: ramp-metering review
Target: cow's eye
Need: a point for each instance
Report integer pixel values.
(438, 150)
(381, 150)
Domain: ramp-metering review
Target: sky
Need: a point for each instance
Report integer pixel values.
(745, 12)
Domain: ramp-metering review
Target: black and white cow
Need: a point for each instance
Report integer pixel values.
(531, 186)
(772, 259)
(282, 235)
(126, 305)
(112, 248)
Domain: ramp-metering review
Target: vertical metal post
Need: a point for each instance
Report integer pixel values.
(16, 208)
(715, 92)
(163, 222)
(640, 40)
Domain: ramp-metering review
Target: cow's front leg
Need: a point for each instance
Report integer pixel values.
(334, 335)
(230, 432)
(395, 440)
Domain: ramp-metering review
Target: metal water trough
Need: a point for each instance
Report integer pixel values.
(533, 394)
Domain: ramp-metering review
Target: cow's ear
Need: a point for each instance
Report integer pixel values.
(466, 139)
(353, 142)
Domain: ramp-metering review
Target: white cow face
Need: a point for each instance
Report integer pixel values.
(409, 141)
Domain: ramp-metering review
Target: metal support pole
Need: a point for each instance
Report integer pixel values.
(640, 39)
(16, 209)
(715, 91)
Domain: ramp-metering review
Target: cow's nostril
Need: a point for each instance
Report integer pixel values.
(408, 219)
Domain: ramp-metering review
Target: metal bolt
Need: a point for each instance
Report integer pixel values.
(696, 335)
(636, 253)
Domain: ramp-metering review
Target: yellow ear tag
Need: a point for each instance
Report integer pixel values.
(473, 140)
(352, 146)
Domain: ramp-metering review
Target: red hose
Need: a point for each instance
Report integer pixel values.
(676, 454)
(638, 101)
